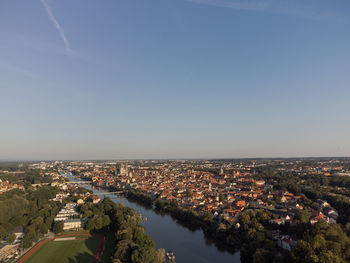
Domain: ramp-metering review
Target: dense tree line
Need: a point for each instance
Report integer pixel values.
(140, 197)
(30, 209)
(322, 243)
(132, 244)
(26, 177)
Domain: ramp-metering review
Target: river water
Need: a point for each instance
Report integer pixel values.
(188, 246)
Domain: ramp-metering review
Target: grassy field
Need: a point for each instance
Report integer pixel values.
(72, 251)
(65, 233)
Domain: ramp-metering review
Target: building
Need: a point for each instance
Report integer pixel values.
(286, 242)
(260, 183)
(318, 218)
(67, 212)
(7, 252)
(95, 199)
(123, 168)
(71, 224)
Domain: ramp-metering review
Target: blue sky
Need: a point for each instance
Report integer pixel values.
(115, 79)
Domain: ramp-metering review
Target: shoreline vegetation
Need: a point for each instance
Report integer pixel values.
(131, 243)
(188, 218)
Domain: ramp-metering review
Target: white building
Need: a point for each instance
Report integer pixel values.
(72, 224)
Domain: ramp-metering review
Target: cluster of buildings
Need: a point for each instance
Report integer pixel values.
(223, 193)
(70, 217)
(8, 252)
(7, 186)
(324, 212)
(223, 188)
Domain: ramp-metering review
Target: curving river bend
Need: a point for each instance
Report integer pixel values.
(188, 246)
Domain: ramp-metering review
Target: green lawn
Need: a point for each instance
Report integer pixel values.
(74, 232)
(72, 251)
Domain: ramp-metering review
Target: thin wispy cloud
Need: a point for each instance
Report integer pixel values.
(56, 24)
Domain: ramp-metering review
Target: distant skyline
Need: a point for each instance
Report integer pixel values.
(163, 79)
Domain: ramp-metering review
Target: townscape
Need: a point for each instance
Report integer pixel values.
(220, 187)
(175, 131)
(237, 203)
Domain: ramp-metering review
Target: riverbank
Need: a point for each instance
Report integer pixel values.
(193, 220)
(190, 244)
(225, 235)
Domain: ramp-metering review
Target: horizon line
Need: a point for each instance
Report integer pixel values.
(175, 159)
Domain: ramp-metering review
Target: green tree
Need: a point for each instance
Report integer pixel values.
(58, 228)
(106, 220)
(11, 238)
(3, 232)
(244, 219)
(145, 255)
(303, 216)
(43, 229)
(261, 256)
(29, 238)
(318, 242)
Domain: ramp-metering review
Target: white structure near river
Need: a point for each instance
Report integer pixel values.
(66, 215)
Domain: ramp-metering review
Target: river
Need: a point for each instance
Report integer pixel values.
(188, 246)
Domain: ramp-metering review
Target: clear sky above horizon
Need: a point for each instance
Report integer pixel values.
(117, 79)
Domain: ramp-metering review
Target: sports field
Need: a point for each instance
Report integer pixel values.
(80, 250)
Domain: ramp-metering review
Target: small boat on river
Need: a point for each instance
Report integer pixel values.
(170, 256)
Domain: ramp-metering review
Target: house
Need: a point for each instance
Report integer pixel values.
(277, 221)
(297, 206)
(286, 242)
(260, 183)
(322, 204)
(240, 203)
(318, 218)
(95, 199)
(231, 213)
(283, 241)
(331, 212)
(70, 224)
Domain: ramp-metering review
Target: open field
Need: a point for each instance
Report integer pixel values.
(75, 233)
(82, 249)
